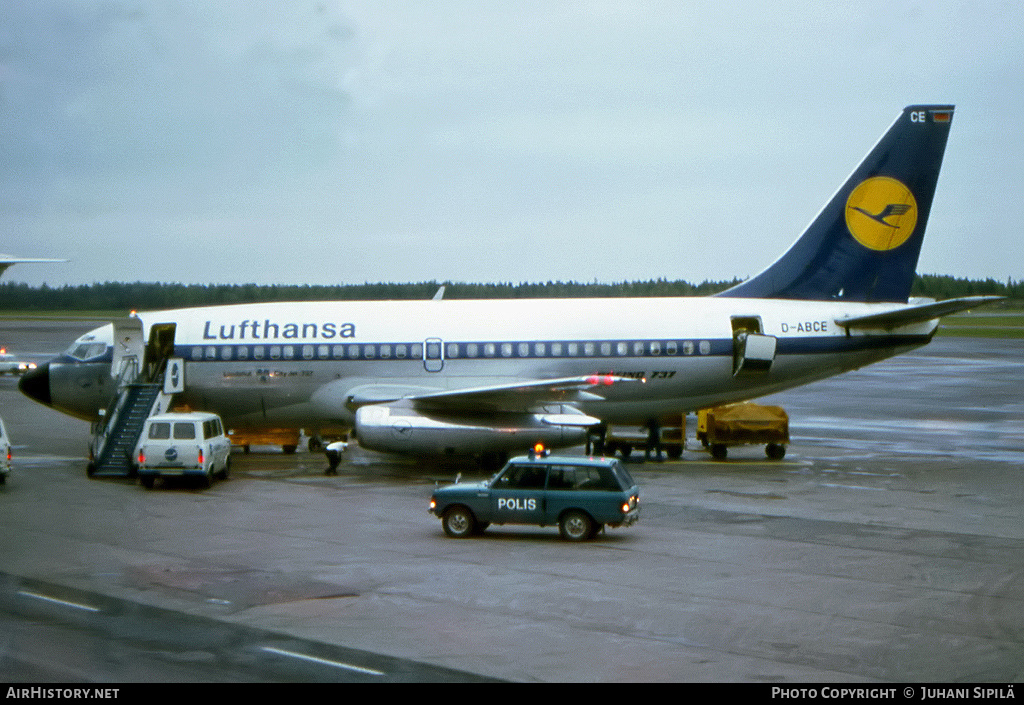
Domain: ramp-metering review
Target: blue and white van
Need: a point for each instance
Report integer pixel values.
(183, 445)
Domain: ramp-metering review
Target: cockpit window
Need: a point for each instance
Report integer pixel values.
(87, 351)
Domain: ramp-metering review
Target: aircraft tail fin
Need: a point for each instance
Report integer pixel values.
(864, 244)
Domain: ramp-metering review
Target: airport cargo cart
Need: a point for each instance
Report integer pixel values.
(625, 439)
(287, 438)
(743, 424)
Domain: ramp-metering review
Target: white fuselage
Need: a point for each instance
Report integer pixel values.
(303, 364)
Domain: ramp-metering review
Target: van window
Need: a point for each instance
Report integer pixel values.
(212, 428)
(184, 431)
(159, 431)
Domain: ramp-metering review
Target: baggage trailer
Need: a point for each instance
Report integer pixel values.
(287, 438)
(625, 439)
(743, 424)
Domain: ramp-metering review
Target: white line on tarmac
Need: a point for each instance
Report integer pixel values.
(322, 661)
(56, 601)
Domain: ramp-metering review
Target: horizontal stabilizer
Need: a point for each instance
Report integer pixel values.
(915, 314)
(7, 260)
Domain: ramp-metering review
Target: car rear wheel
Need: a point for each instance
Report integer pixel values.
(458, 522)
(576, 526)
(225, 471)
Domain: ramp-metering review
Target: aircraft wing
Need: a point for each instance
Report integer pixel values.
(520, 395)
(918, 313)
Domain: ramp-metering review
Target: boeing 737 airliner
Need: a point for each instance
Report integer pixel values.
(469, 377)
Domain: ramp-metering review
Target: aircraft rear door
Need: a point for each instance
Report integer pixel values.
(753, 352)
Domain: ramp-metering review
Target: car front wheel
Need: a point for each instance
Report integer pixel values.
(458, 522)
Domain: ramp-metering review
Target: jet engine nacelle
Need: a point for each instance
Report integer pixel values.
(393, 428)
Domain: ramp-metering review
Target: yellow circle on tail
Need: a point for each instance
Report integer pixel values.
(881, 213)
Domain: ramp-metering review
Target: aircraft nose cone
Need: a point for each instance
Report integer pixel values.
(35, 384)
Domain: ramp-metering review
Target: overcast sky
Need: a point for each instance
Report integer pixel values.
(347, 142)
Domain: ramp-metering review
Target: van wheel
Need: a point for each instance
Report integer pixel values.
(458, 523)
(147, 481)
(576, 526)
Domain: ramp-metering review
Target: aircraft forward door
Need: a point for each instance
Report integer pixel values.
(433, 355)
(160, 358)
(129, 348)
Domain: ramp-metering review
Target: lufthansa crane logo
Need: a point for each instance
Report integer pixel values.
(881, 213)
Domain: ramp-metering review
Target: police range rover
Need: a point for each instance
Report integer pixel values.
(579, 495)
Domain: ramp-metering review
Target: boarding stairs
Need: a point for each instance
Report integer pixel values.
(139, 396)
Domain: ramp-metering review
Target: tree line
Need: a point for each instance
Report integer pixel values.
(115, 296)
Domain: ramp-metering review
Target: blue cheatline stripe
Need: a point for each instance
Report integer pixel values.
(607, 350)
